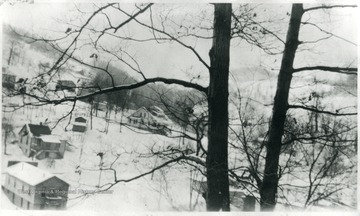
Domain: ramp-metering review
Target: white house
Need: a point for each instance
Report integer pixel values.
(29, 187)
(153, 119)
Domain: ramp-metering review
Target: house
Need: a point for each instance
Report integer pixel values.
(37, 141)
(8, 79)
(68, 85)
(153, 119)
(79, 125)
(30, 187)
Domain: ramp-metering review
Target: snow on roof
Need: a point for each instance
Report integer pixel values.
(28, 173)
(50, 138)
(156, 110)
(155, 113)
(80, 124)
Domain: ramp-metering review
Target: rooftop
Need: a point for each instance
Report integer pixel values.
(66, 83)
(38, 130)
(28, 173)
(50, 138)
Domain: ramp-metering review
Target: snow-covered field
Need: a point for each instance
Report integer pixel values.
(165, 190)
(127, 151)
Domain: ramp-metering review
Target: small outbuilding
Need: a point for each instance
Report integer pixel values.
(79, 125)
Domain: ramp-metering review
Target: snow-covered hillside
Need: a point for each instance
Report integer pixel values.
(132, 152)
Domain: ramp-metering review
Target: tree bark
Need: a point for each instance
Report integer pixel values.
(217, 197)
(268, 190)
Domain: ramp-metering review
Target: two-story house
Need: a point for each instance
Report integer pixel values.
(29, 187)
(37, 141)
(153, 119)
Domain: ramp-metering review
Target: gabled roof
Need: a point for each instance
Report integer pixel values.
(80, 119)
(38, 130)
(155, 113)
(137, 111)
(29, 173)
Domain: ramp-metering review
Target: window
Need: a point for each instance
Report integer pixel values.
(22, 188)
(21, 202)
(14, 182)
(28, 205)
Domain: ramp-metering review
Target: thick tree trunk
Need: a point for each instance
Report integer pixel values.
(217, 159)
(270, 182)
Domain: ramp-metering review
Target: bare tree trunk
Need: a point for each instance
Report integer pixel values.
(91, 116)
(217, 159)
(121, 118)
(268, 190)
(5, 139)
(11, 53)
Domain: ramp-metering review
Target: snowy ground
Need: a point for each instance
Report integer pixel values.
(165, 190)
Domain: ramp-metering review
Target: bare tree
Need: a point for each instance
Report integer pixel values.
(271, 176)
(217, 91)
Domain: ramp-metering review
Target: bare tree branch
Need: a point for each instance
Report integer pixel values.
(328, 7)
(319, 111)
(172, 38)
(342, 70)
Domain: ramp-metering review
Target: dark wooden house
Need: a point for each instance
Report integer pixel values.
(37, 141)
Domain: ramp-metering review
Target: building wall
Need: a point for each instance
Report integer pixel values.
(62, 148)
(53, 184)
(49, 150)
(8, 81)
(79, 128)
(19, 192)
(25, 142)
(142, 119)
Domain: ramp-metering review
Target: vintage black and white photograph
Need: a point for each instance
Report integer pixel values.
(179, 107)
